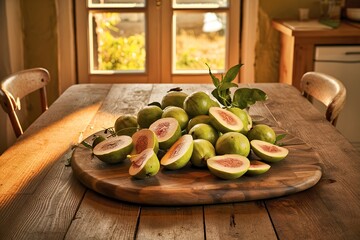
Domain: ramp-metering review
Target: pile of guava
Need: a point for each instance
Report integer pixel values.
(213, 131)
(190, 129)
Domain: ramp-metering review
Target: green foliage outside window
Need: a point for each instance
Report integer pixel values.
(117, 51)
(127, 52)
(121, 53)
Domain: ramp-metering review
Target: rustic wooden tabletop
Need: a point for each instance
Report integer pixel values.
(42, 198)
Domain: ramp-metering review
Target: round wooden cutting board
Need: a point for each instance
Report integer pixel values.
(300, 170)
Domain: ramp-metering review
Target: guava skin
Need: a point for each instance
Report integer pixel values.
(197, 103)
(204, 131)
(214, 103)
(262, 132)
(173, 98)
(148, 115)
(198, 119)
(268, 152)
(178, 113)
(126, 125)
(233, 143)
(203, 150)
(244, 117)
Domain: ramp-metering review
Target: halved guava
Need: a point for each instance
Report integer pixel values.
(257, 167)
(143, 139)
(167, 131)
(228, 166)
(97, 140)
(179, 154)
(224, 120)
(267, 151)
(114, 150)
(145, 164)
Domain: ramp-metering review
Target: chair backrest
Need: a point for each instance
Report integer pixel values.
(326, 89)
(18, 85)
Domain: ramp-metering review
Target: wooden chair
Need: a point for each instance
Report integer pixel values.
(326, 89)
(17, 86)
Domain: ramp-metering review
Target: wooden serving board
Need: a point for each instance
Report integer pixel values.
(300, 170)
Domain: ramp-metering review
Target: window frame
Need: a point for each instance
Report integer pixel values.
(154, 72)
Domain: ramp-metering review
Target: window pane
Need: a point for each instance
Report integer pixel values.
(199, 38)
(116, 3)
(118, 41)
(200, 3)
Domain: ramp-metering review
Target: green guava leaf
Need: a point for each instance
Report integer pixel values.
(226, 85)
(231, 73)
(245, 97)
(279, 138)
(222, 97)
(215, 80)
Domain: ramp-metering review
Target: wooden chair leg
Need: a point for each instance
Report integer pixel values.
(15, 123)
(44, 104)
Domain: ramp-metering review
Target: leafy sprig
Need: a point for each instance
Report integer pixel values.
(242, 98)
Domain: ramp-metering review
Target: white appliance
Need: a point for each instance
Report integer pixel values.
(343, 62)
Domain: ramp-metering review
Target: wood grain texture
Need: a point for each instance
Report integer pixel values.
(46, 213)
(103, 218)
(171, 223)
(25, 163)
(49, 197)
(247, 220)
(189, 186)
(331, 209)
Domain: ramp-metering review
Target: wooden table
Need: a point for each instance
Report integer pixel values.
(40, 198)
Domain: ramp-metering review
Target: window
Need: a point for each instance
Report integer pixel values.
(156, 40)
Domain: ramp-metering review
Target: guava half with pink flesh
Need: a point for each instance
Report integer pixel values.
(228, 166)
(224, 120)
(267, 151)
(143, 139)
(114, 150)
(257, 168)
(179, 154)
(167, 131)
(145, 164)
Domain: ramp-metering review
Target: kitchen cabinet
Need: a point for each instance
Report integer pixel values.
(298, 47)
